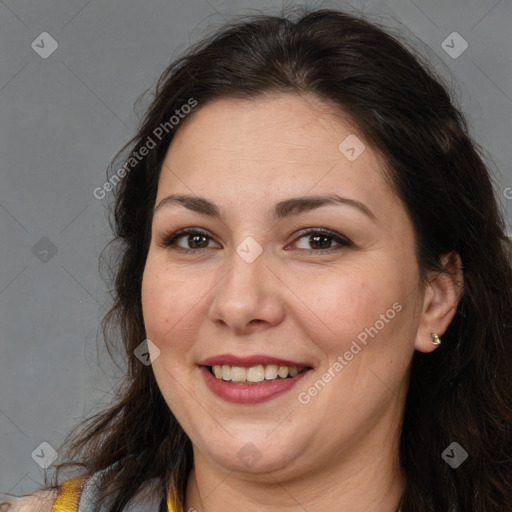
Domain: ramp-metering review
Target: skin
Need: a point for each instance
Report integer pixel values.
(340, 450)
(41, 501)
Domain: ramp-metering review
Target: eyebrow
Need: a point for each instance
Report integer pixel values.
(283, 209)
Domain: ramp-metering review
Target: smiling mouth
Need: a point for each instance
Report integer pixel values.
(255, 374)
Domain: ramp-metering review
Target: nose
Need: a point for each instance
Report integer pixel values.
(248, 297)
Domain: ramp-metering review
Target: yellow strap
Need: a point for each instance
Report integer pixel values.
(170, 505)
(69, 494)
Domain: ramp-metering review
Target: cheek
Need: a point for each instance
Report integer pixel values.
(166, 302)
(342, 304)
(154, 301)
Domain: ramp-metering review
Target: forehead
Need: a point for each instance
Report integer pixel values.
(279, 142)
(297, 126)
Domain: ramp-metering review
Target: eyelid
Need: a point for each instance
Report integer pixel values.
(167, 240)
(341, 240)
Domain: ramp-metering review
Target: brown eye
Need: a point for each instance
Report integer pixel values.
(196, 241)
(318, 240)
(187, 240)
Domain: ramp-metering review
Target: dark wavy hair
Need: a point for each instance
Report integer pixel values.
(460, 392)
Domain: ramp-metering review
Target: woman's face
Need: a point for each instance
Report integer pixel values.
(275, 278)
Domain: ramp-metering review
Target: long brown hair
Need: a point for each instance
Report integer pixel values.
(462, 391)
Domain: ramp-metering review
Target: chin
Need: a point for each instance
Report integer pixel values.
(255, 452)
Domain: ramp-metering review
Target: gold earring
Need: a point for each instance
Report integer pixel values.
(435, 339)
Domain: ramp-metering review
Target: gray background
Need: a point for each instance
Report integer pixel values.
(63, 118)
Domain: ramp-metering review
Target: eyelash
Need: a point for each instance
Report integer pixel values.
(169, 240)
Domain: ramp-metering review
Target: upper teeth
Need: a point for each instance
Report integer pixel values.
(254, 373)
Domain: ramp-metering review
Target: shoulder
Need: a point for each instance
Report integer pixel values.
(63, 498)
(78, 494)
(40, 501)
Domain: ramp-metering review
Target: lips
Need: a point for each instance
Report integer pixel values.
(251, 379)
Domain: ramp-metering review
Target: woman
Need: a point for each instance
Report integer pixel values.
(314, 289)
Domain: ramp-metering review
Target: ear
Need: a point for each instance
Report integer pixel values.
(441, 297)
